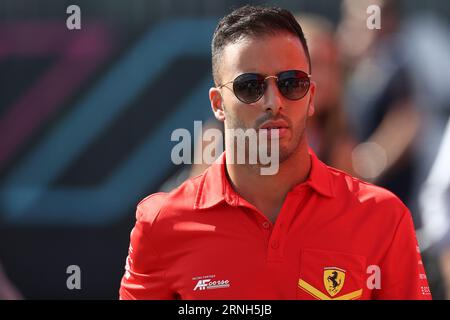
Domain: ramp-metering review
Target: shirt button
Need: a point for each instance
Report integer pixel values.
(275, 244)
(266, 225)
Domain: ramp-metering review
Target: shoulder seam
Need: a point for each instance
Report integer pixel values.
(369, 184)
(149, 196)
(352, 177)
(199, 191)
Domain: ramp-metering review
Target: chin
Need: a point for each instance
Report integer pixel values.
(287, 148)
(285, 154)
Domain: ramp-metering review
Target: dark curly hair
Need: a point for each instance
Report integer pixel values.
(253, 21)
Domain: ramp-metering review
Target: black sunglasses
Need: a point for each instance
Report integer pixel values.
(250, 87)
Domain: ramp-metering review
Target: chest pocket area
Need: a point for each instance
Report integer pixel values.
(329, 275)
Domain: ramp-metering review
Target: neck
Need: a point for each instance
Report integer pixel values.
(268, 192)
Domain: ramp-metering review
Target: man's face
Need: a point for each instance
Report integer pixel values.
(267, 55)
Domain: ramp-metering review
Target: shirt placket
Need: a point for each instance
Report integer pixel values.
(279, 231)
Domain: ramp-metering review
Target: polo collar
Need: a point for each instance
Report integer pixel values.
(215, 187)
(320, 178)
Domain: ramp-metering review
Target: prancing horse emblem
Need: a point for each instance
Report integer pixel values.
(333, 279)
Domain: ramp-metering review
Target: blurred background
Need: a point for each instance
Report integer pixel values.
(86, 118)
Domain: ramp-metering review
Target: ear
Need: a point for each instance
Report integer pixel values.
(312, 92)
(215, 96)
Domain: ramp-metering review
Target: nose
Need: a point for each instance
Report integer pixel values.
(272, 99)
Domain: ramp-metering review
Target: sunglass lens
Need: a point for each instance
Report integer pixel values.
(249, 87)
(293, 84)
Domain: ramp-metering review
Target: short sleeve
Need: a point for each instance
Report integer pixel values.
(144, 277)
(402, 271)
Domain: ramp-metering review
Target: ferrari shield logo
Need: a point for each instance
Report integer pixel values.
(333, 279)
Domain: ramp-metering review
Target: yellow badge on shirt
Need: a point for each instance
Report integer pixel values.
(333, 279)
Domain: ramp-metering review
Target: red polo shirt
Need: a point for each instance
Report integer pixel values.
(335, 237)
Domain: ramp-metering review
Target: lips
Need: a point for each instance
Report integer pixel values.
(270, 126)
(277, 124)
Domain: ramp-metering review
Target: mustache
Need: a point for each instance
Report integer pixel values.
(268, 117)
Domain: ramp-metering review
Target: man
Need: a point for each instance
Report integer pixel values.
(307, 232)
